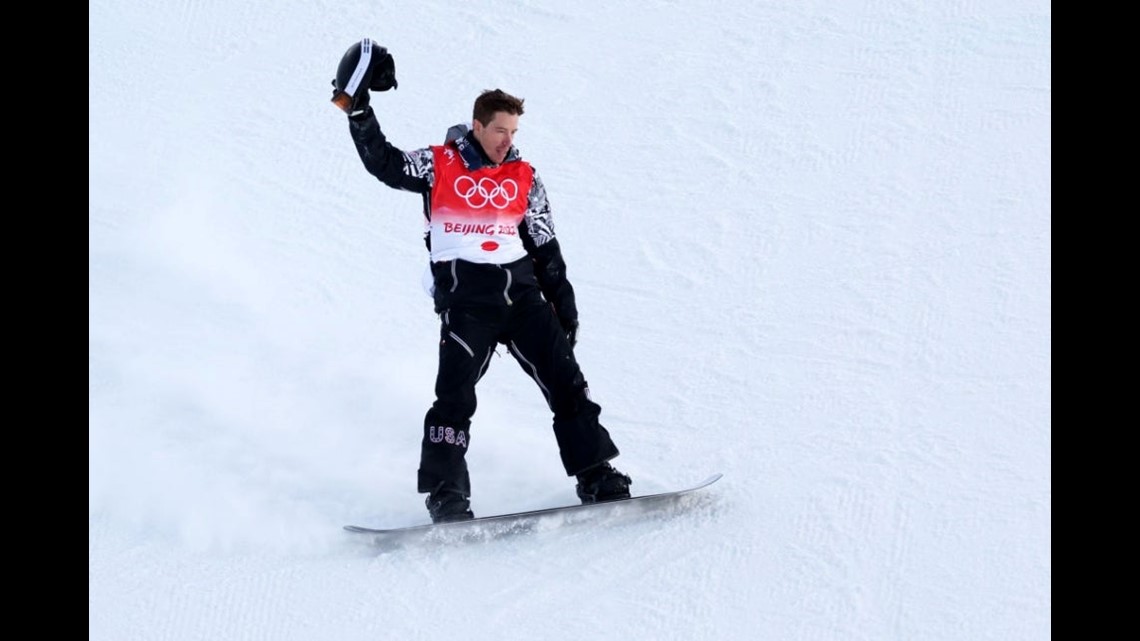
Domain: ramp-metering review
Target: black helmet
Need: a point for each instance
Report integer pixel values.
(364, 66)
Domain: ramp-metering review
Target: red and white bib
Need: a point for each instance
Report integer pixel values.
(475, 215)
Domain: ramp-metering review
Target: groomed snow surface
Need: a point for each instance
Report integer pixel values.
(811, 246)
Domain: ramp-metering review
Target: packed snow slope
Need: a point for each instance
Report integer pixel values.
(811, 245)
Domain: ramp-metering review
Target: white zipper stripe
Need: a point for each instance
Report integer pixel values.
(533, 372)
(507, 289)
(483, 367)
(460, 341)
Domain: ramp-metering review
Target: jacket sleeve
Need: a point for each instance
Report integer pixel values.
(411, 171)
(537, 232)
(550, 270)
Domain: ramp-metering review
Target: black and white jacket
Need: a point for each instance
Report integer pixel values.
(458, 281)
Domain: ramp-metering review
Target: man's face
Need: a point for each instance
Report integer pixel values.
(496, 136)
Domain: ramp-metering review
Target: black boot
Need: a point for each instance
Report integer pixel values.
(447, 504)
(603, 483)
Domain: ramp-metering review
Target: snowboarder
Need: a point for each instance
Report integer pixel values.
(497, 277)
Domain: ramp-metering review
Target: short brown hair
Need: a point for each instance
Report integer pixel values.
(492, 101)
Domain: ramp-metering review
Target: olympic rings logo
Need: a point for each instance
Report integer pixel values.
(486, 192)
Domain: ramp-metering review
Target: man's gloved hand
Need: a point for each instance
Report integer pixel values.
(357, 104)
(571, 328)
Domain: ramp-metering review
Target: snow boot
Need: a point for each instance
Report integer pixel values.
(447, 504)
(602, 483)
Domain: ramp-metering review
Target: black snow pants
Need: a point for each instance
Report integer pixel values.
(532, 334)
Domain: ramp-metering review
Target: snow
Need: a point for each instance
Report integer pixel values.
(811, 245)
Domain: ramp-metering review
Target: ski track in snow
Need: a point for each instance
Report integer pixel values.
(811, 247)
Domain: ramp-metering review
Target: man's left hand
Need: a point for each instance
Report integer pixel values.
(571, 328)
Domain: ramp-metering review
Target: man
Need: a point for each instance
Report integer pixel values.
(497, 278)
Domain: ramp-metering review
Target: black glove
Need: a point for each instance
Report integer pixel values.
(358, 103)
(571, 328)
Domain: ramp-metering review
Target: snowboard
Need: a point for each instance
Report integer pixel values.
(518, 522)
